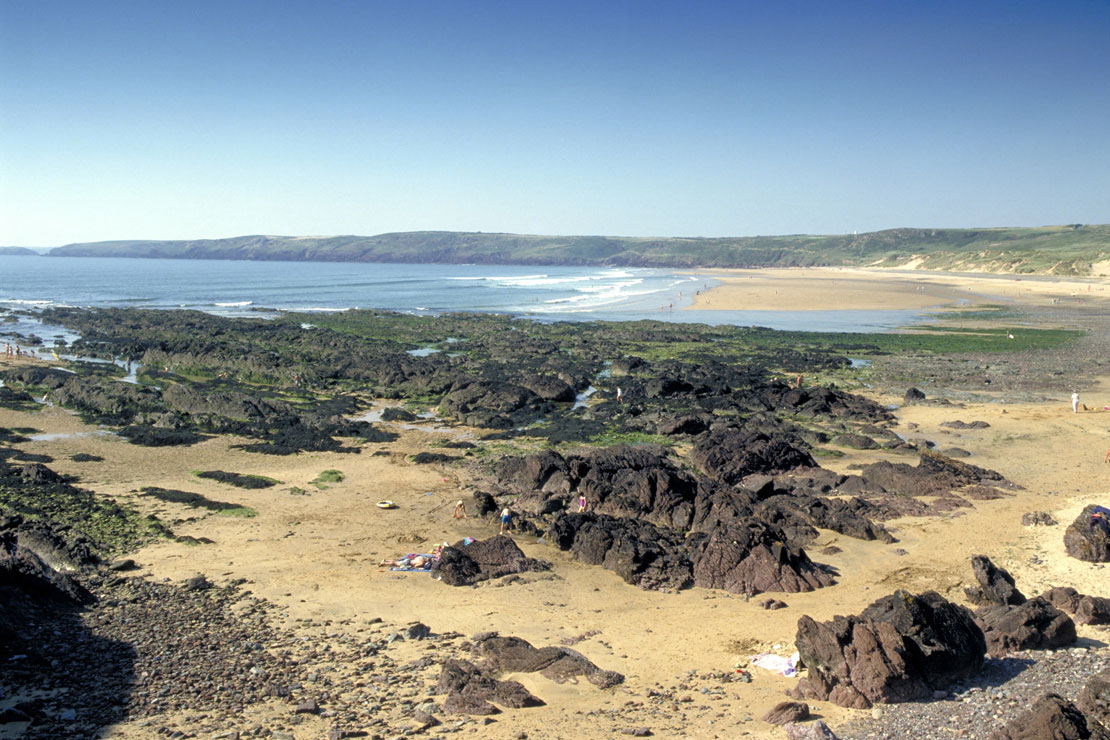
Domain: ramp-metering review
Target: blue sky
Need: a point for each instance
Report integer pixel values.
(194, 119)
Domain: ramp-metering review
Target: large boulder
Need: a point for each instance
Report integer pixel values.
(751, 558)
(465, 565)
(1088, 537)
(900, 648)
(1033, 625)
(996, 585)
(1051, 718)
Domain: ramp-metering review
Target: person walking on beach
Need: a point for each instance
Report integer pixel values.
(620, 394)
(1075, 402)
(506, 520)
(581, 502)
(460, 510)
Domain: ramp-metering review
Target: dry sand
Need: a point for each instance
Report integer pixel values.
(828, 288)
(317, 555)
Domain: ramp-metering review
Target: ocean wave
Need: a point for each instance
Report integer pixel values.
(495, 278)
(27, 302)
(319, 309)
(233, 304)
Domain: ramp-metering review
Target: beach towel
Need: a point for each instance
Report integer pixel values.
(777, 663)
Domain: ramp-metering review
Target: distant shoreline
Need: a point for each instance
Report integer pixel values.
(1075, 250)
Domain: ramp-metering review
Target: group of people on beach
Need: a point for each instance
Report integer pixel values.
(14, 350)
(507, 514)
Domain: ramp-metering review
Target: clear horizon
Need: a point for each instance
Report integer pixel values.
(135, 121)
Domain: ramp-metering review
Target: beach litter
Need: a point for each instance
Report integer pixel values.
(777, 663)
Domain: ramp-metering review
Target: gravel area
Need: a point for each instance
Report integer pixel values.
(1007, 687)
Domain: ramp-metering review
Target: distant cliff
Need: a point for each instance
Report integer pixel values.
(1062, 250)
(22, 251)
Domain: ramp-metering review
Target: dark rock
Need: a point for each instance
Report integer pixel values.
(1051, 718)
(1093, 610)
(197, 583)
(996, 585)
(560, 664)
(899, 649)
(965, 425)
(417, 631)
(1038, 519)
(912, 396)
(730, 455)
(484, 504)
(122, 565)
(307, 707)
(1094, 699)
(856, 442)
(639, 552)
(1063, 598)
(773, 604)
(1033, 625)
(689, 424)
(427, 458)
(464, 565)
(1088, 537)
(787, 711)
(549, 388)
(751, 558)
(470, 690)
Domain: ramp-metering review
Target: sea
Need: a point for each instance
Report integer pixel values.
(249, 288)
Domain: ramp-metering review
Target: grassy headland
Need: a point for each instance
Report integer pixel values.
(1059, 250)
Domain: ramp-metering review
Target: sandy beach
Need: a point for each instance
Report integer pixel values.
(315, 553)
(826, 288)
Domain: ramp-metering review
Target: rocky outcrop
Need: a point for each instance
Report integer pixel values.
(1051, 718)
(465, 565)
(490, 404)
(900, 648)
(1094, 699)
(731, 455)
(751, 558)
(934, 475)
(470, 690)
(1032, 625)
(1088, 537)
(996, 585)
(639, 552)
(559, 664)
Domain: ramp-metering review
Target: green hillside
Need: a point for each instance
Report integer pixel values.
(1059, 250)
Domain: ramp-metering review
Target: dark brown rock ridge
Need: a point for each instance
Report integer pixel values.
(900, 648)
